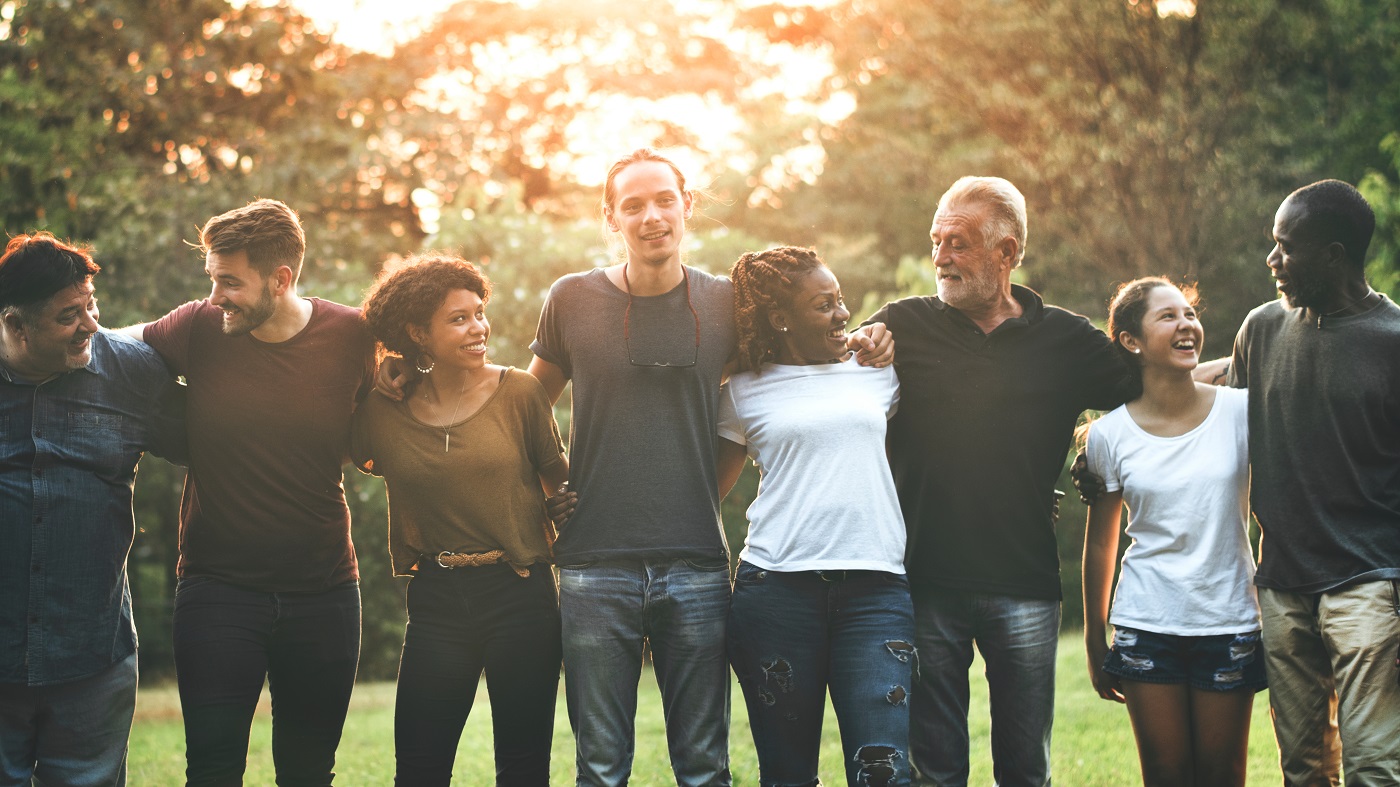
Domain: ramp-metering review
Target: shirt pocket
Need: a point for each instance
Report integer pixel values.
(95, 440)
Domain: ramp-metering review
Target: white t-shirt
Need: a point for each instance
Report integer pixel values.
(1188, 570)
(826, 499)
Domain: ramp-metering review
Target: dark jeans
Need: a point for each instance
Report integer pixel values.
(227, 640)
(463, 621)
(794, 636)
(1017, 638)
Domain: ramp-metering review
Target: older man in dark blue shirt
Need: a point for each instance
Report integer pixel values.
(78, 406)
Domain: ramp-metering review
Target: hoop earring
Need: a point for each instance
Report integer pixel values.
(418, 364)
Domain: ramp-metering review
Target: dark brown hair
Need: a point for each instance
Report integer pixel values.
(409, 291)
(266, 230)
(765, 281)
(36, 267)
(1125, 314)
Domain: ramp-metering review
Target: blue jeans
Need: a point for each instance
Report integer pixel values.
(462, 622)
(1017, 638)
(793, 635)
(68, 733)
(612, 609)
(227, 640)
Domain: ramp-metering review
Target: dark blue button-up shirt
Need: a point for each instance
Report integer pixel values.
(68, 453)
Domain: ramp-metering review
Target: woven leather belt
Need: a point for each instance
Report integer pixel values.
(462, 559)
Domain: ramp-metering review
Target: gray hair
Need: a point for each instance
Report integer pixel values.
(1007, 208)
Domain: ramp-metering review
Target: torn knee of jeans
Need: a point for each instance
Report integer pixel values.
(1243, 647)
(777, 671)
(906, 653)
(897, 696)
(876, 765)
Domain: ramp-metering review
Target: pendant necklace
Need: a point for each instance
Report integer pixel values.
(1363, 298)
(447, 426)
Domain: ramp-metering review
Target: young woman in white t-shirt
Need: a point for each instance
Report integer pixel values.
(820, 598)
(1185, 655)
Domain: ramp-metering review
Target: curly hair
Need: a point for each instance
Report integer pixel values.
(764, 281)
(1126, 312)
(407, 293)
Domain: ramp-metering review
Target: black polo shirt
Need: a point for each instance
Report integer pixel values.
(984, 424)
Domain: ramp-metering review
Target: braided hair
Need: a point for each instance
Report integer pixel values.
(765, 281)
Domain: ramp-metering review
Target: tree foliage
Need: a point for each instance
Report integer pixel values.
(1145, 143)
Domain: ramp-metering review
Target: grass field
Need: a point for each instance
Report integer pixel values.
(1093, 742)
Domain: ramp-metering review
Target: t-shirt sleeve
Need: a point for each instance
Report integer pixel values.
(892, 381)
(1102, 462)
(362, 438)
(1238, 376)
(169, 437)
(730, 427)
(549, 336)
(544, 443)
(170, 336)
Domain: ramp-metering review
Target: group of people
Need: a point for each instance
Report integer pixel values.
(905, 513)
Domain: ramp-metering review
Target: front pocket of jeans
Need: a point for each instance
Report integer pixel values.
(749, 574)
(708, 564)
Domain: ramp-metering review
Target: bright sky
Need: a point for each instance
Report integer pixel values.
(615, 123)
(372, 25)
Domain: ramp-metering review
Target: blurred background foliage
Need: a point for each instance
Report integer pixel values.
(1149, 138)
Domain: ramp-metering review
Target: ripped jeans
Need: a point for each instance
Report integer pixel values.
(1219, 662)
(794, 635)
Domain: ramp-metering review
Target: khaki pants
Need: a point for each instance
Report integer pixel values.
(1331, 663)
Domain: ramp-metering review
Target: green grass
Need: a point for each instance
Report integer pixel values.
(1093, 741)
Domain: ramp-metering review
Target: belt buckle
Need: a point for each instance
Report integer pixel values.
(442, 555)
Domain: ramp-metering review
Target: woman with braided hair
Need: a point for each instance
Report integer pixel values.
(820, 599)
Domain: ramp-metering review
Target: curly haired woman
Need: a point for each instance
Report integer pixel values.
(467, 457)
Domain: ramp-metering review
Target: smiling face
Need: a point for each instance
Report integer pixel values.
(815, 319)
(1170, 335)
(971, 275)
(456, 334)
(1305, 269)
(649, 212)
(246, 298)
(59, 338)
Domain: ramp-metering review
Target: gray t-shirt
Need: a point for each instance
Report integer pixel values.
(642, 438)
(1324, 443)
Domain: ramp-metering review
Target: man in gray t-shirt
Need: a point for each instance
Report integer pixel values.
(642, 559)
(1322, 366)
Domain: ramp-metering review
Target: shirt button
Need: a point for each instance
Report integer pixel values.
(39, 472)
(33, 618)
(37, 568)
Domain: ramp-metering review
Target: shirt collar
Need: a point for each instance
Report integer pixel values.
(1032, 307)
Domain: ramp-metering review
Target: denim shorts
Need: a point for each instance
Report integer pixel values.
(1224, 662)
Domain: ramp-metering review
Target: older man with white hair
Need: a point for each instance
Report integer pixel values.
(992, 383)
